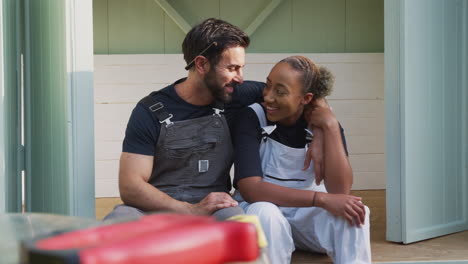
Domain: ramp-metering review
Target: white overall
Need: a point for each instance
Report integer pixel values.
(307, 228)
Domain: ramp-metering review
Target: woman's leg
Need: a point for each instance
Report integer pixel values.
(317, 230)
(276, 228)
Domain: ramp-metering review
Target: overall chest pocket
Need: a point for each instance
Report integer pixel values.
(283, 167)
(184, 148)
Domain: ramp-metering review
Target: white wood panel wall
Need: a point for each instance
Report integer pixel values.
(120, 81)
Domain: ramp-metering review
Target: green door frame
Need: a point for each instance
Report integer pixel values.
(10, 107)
(58, 68)
(426, 65)
(59, 112)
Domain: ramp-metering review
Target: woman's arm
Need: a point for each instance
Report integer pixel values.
(254, 189)
(246, 138)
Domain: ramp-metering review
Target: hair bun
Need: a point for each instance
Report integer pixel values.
(325, 81)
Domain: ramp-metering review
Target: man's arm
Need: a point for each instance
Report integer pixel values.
(135, 171)
(336, 169)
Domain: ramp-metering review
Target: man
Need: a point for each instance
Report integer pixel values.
(177, 150)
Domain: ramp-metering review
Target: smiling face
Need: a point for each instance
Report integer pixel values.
(224, 76)
(284, 96)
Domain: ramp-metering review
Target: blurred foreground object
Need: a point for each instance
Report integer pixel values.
(159, 238)
(262, 241)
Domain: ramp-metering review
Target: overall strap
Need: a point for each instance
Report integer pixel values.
(218, 108)
(266, 130)
(157, 110)
(260, 114)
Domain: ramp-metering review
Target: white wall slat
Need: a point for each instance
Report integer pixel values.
(108, 150)
(123, 93)
(365, 144)
(369, 180)
(107, 187)
(357, 100)
(107, 169)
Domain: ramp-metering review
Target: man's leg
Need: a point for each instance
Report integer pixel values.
(123, 211)
(276, 228)
(315, 229)
(225, 213)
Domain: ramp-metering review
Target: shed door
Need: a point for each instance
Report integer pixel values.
(426, 110)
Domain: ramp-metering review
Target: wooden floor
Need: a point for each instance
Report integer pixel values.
(451, 247)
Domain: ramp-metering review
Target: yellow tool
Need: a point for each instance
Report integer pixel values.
(262, 241)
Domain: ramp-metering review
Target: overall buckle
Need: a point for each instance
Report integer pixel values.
(167, 121)
(217, 112)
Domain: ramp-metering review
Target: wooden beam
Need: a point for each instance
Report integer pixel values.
(174, 15)
(262, 16)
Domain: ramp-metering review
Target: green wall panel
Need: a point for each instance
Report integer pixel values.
(46, 108)
(196, 11)
(100, 24)
(236, 12)
(364, 26)
(274, 34)
(135, 27)
(312, 26)
(173, 36)
(318, 26)
(11, 108)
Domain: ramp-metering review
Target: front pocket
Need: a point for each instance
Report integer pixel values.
(286, 170)
(185, 147)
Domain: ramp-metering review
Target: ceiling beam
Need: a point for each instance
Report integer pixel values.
(185, 27)
(174, 15)
(262, 16)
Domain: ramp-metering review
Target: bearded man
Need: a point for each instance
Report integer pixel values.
(177, 150)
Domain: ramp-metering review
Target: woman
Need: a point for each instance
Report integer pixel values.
(270, 143)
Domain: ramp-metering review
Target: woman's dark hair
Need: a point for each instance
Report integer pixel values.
(316, 79)
(200, 40)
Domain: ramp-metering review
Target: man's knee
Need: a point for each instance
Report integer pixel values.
(225, 213)
(123, 211)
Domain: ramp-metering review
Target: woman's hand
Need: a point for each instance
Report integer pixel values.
(347, 206)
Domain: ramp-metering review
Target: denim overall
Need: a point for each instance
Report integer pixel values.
(308, 228)
(192, 159)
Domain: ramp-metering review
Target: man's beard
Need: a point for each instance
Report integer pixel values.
(215, 89)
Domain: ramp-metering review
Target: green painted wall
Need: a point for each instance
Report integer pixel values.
(11, 108)
(47, 180)
(309, 26)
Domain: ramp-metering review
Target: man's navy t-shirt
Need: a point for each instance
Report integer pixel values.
(142, 131)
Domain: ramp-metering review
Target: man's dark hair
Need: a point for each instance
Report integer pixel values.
(200, 39)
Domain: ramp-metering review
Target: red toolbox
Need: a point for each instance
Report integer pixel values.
(159, 238)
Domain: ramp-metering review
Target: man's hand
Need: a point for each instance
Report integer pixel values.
(319, 114)
(347, 206)
(315, 153)
(213, 202)
(314, 115)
